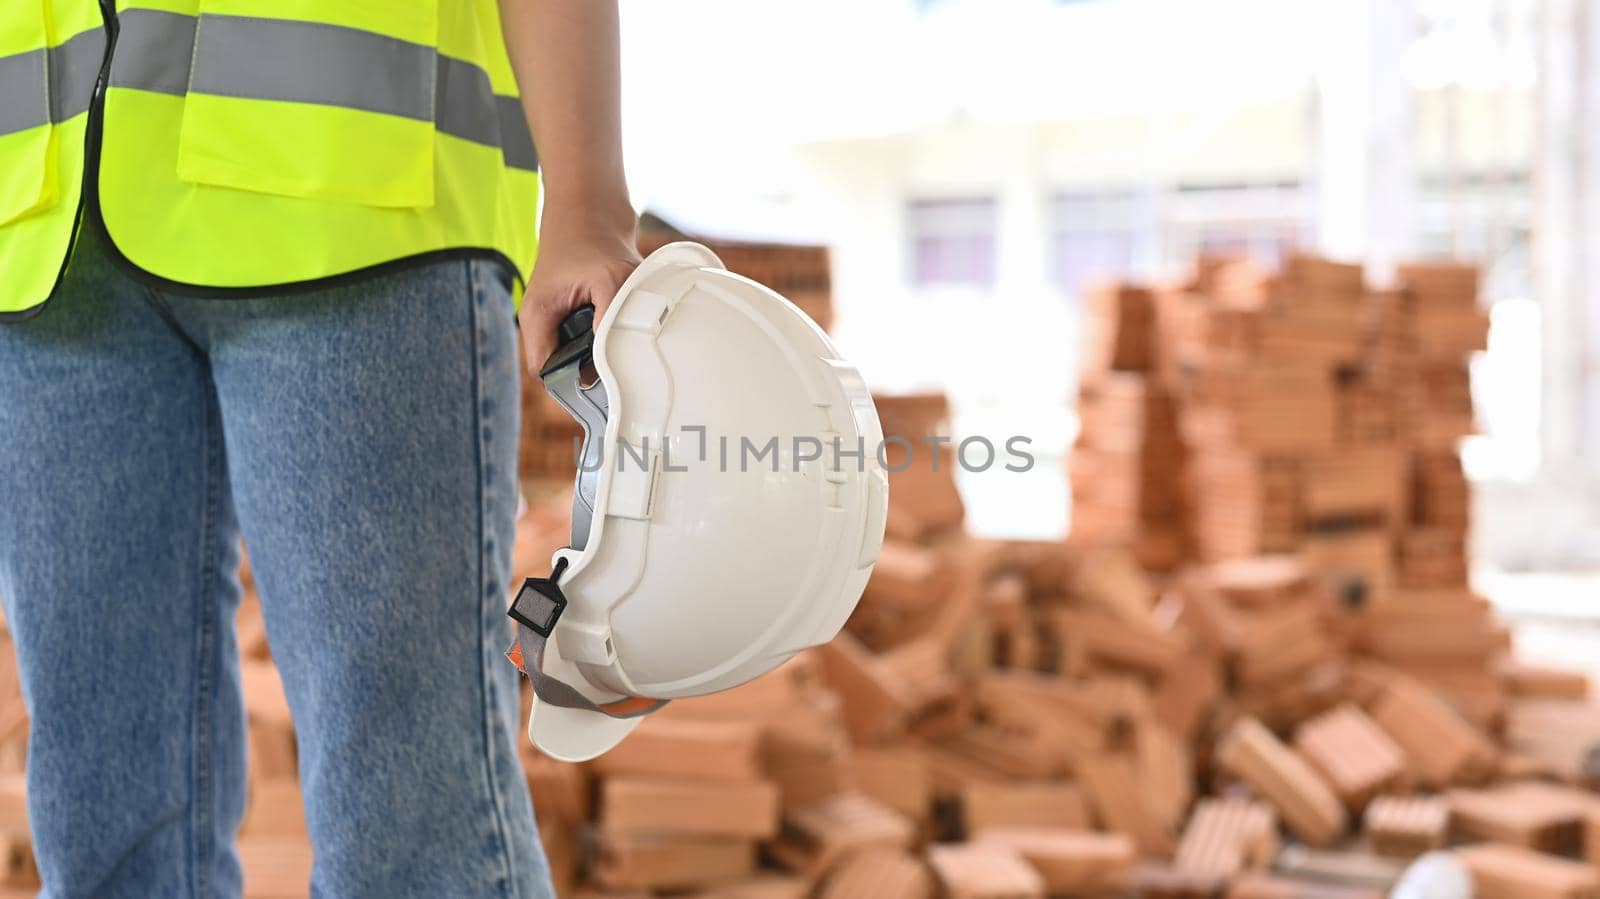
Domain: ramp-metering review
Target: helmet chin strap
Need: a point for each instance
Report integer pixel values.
(568, 377)
(538, 607)
(540, 602)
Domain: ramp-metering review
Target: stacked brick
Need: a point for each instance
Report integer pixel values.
(1127, 467)
(1316, 418)
(1311, 415)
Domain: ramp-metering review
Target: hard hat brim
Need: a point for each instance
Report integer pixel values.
(575, 735)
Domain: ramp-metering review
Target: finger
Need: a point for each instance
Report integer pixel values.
(538, 323)
(602, 291)
(602, 299)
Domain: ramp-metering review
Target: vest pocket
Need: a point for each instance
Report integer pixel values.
(27, 136)
(315, 99)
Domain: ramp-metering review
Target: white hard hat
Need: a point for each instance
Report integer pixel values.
(728, 510)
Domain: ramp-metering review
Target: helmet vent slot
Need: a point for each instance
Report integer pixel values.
(588, 375)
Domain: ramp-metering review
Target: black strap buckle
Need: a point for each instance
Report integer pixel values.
(540, 602)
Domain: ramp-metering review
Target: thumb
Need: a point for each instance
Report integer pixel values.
(600, 291)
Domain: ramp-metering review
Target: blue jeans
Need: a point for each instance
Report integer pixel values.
(363, 440)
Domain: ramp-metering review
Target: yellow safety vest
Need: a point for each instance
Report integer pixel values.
(258, 145)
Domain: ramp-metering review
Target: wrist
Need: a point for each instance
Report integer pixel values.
(592, 213)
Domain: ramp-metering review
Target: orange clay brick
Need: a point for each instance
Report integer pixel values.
(561, 791)
(1525, 681)
(1441, 746)
(1251, 753)
(1512, 872)
(708, 809)
(897, 777)
(1050, 804)
(875, 701)
(1279, 642)
(692, 750)
(881, 874)
(1047, 707)
(13, 808)
(275, 867)
(972, 871)
(1114, 788)
(1075, 862)
(1260, 581)
(1407, 826)
(806, 765)
(1188, 692)
(1532, 814)
(1226, 836)
(672, 863)
(275, 810)
(1558, 733)
(1352, 754)
(1093, 639)
(818, 835)
(271, 736)
(1166, 773)
(1008, 754)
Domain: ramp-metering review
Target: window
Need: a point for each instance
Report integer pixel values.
(953, 242)
(1100, 234)
(1264, 220)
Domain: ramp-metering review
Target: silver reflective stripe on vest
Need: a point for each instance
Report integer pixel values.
(307, 62)
(74, 68)
(516, 141)
(24, 91)
(154, 49)
(52, 85)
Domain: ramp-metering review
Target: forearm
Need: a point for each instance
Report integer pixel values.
(567, 58)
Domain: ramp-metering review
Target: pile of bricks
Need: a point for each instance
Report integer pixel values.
(1313, 417)
(1017, 719)
(1256, 672)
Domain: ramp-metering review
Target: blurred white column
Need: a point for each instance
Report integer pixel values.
(1558, 244)
(1366, 186)
(1588, 227)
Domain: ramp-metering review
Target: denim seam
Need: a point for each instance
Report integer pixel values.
(205, 657)
(163, 309)
(485, 589)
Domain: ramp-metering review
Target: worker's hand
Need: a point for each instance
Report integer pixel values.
(579, 262)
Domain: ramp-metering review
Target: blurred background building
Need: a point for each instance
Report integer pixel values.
(973, 163)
